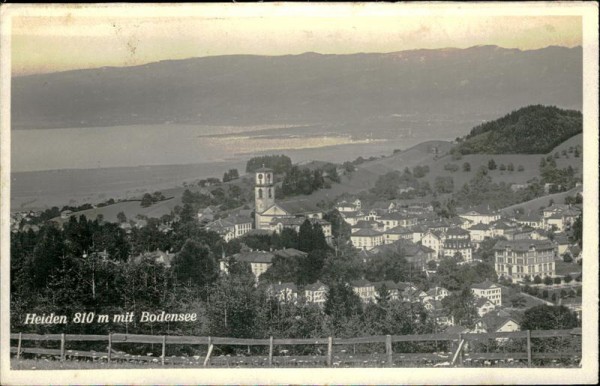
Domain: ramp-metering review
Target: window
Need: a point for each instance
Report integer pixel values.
(270, 194)
(260, 194)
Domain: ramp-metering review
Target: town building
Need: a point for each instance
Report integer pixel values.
(366, 239)
(519, 258)
(365, 290)
(488, 290)
(480, 215)
(283, 292)
(316, 293)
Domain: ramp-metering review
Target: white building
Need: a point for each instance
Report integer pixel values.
(366, 239)
(488, 290)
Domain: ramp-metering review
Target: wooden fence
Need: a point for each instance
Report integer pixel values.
(456, 357)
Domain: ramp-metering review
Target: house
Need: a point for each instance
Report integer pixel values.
(496, 322)
(480, 232)
(367, 224)
(562, 243)
(365, 290)
(283, 292)
(437, 293)
(353, 217)
(457, 240)
(397, 233)
(316, 293)
(207, 214)
(390, 286)
(231, 227)
(480, 215)
(347, 207)
(158, 256)
(435, 240)
(417, 255)
(488, 290)
(519, 258)
(533, 220)
(555, 222)
(366, 239)
(394, 219)
(483, 306)
(259, 261)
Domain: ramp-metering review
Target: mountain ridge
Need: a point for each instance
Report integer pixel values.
(361, 89)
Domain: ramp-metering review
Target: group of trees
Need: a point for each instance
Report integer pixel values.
(560, 179)
(280, 164)
(302, 181)
(481, 189)
(149, 199)
(231, 174)
(405, 184)
(529, 130)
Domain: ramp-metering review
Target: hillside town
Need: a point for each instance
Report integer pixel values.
(532, 254)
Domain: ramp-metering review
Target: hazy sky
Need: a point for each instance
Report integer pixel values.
(71, 38)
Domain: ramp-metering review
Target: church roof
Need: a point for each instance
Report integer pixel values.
(299, 206)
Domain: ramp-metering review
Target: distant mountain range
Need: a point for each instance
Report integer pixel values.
(482, 81)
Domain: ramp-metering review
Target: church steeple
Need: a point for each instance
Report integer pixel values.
(264, 190)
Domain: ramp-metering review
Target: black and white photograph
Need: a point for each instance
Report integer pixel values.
(268, 193)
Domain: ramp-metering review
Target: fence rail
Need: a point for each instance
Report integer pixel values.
(388, 357)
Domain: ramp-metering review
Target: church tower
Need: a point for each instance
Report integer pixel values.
(264, 191)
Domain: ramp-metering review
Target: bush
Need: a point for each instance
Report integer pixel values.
(537, 279)
(520, 168)
(548, 280)
(451, 167)
(466, 167)
(492, 164)
(557, 280)
(568, 278)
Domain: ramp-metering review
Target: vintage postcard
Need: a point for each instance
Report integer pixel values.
(320, 193)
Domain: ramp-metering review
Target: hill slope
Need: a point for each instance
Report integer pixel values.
(370, 90)
(529, 130)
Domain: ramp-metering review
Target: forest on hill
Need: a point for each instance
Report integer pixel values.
(533, 129)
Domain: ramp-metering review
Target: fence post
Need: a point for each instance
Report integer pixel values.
(164, 349)
(19, 347)
(528, 348)
(209, 352)
(388, 350)
(109, 346)
(460, 354)
(270, 351)
(62, 346)
(329, 351)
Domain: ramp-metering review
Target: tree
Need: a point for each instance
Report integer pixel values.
(146, 200)
(121, 217)
(492, 164)
(518, 301)
(557, 280)
(195, 265)
(567, 258)
(548, 280)
(342, 304)
(461, 305)
(537, 279)
(502, 167)
(546, 317)
(510, 167)
(568, 278)
(466, 167)
(520, 168)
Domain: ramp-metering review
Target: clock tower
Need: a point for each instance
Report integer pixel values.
(264, 190)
